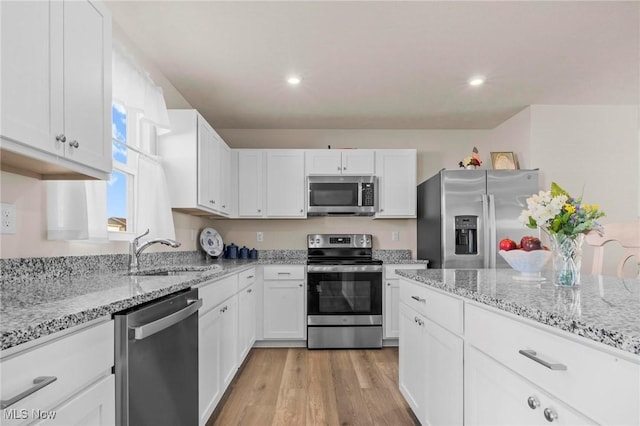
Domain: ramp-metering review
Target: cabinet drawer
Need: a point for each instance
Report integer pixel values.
(246, 278)
(212, 293)
(602, 386)
(444, 310)
(76, 360)
(284, 272)
(390, 270)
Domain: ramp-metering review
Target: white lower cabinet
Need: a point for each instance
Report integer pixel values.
(392, 298)
(77, 367)
(94, 406)
(209, 361)
(284, 302)
(246, 321)
(430, 369)
(495, 395)
(229, 344)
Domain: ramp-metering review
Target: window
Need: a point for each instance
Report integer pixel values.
(120, 189)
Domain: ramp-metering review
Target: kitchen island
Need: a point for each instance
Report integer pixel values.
(480, 347)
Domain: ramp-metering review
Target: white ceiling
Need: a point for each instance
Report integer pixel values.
(387, 64)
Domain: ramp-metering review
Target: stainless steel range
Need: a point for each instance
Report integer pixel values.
(344, 292)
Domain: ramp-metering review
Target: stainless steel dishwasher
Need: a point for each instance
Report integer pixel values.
(157, 362)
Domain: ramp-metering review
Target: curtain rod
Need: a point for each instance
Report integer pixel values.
(144, 154)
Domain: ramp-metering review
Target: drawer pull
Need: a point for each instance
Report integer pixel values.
(531, 354)
(419, 299)
(533, 402)
(550, 414)
(250, 290)
(38, 383)
(284, 273)
(249, 277)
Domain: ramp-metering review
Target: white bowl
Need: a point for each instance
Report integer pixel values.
(527, 262)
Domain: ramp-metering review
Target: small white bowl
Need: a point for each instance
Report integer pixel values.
(528, 263)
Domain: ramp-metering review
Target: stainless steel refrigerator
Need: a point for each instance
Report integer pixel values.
(463, 214)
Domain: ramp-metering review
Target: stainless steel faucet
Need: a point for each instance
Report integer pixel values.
(135, 249)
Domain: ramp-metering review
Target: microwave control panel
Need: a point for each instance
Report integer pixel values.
(368, 199)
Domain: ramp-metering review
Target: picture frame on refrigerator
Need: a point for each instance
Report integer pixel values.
(504, 161)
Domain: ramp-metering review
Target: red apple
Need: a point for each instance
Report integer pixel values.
(507, 244)
(530, 243)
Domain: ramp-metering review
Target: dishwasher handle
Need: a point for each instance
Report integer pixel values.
(144, 331)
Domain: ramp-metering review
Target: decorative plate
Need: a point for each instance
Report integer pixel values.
(211, 242)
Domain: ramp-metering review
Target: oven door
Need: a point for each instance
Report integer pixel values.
(344, 295)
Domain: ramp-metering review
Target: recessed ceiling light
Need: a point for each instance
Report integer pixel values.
(293, 80)
(476, 81)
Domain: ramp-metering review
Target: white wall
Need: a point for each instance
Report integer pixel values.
(514, 135)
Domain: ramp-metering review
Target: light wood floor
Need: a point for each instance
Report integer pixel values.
(296, 386)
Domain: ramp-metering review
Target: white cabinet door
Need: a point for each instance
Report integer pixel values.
(247, 321)
(496, 395)
(223, 182)
(87, 83)
(209, 361)
(205, 167)
(323, 162)
(391, 309)
(56, 84)
(339, 162)
(31, 77)
(229, 354)
(358, 162)
(396, 171)
(285, 183)
(284, 310)
(413, 353)
(94, 406)
(250, 183)
(443, 404)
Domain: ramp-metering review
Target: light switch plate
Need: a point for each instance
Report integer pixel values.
(395, 236)
(7, 218)
(260, 237)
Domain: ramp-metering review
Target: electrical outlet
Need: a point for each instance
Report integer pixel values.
(7, 218)
(260, 237)
(395, 236)
(193, 235)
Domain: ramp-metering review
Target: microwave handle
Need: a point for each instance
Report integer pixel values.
(359, 194)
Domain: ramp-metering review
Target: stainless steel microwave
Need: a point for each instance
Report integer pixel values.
(342, 195)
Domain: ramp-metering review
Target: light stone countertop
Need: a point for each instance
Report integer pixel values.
(601, 308)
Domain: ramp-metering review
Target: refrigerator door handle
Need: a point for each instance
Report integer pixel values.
(485, 230)
(492, 230)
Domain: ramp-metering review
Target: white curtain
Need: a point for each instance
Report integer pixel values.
(153, 206)
(77, 210)
(133, 88)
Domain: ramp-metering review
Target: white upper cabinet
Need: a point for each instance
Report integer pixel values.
(396, 171)
(56, 87)
(251, 181)
(340, 162)
(197, 164)
(285, 183)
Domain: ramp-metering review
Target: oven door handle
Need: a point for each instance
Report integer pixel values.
(343, 268)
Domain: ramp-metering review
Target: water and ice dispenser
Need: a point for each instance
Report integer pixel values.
(466, 228)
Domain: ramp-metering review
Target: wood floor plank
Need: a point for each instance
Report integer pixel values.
(296, 386)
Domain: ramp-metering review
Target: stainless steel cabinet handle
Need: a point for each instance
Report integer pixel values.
(533, 402)
(38, 383)
(284, 273)
(531, 354)
(249, 277)
(224, 207)
(74, 144)
(388, 284)
(301, 210)
(419, 299)
(299, 285)
(259, 211)
(550, 414)
(338, 167)
(61, 138)
(344, 168)
(153, 327)
(250, 290)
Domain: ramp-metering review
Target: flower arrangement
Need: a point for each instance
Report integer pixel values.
(556, 212)
(473, 160)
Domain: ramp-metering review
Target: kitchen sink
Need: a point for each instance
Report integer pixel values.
(191, 272)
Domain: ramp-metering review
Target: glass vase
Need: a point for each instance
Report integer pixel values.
(567, 258)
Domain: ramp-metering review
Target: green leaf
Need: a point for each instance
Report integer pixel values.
(556, 190)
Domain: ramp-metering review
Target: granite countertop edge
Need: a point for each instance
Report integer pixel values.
(590, 331)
